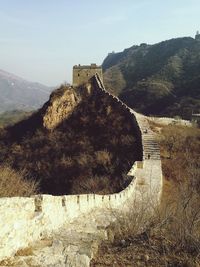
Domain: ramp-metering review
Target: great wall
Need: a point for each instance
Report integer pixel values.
(66, 230)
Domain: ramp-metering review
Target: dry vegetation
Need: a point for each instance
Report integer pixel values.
(91, 151)
(13, 183)
(172, 236)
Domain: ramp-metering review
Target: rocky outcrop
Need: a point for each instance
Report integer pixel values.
(60, 106)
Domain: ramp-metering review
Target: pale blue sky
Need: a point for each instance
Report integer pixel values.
(41, 40)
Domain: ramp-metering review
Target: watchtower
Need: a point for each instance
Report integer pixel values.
(82, 74)
(197, 36)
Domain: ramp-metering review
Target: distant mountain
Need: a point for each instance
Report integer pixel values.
(161, 79)
(17, 93)
(11, 117)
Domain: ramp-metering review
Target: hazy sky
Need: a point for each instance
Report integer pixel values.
(41, 40)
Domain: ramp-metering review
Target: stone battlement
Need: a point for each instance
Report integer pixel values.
(92, 66)
(82, 74)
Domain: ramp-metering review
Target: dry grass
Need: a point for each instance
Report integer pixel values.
(169, 238)
(13, 183)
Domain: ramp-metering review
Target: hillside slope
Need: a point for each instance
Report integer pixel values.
(161, 79)
(12, 117)
(80, 141)
(17, 93)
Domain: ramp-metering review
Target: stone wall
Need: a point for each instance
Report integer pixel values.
(24, 220)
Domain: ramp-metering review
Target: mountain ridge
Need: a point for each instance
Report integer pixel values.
(18, 93)
(160, 79)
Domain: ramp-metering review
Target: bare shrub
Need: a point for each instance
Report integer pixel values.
(83, 159)
(108, 110)
(179, 221)
(103, 157)
(13, 183)
(66, 161)
(101, 120)
(84, 119)
(94, 184)
(132, 222)
(114, 141)
(84, 142)
(127, 139)
(168, 236)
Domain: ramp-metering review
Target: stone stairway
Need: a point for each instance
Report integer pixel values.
(150, 144)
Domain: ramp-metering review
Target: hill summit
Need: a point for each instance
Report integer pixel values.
(159, 79)
(80, 141)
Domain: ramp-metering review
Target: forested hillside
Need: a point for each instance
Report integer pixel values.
(160, 79)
